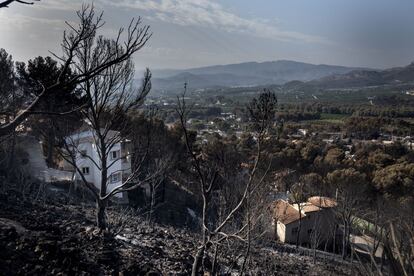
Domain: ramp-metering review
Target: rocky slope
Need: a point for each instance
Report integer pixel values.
(54, 238)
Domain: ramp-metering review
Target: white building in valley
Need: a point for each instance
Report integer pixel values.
(87, 157)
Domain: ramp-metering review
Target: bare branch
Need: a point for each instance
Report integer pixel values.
(81, 36)
(5, 4)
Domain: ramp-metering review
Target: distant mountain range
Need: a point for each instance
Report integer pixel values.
(364, 78)
(245, 74)
(288, 74)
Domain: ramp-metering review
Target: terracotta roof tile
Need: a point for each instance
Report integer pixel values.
(323, 202)
(284, 212)
(309, 207)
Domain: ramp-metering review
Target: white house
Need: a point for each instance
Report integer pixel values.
(87, 160)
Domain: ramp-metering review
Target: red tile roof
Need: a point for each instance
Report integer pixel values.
(323, 202)
(287, 213)
(284, 212)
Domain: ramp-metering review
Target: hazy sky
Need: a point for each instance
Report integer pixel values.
(191, 33)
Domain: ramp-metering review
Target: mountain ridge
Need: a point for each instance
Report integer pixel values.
(245, 74)
(162, 73)
(364, 78)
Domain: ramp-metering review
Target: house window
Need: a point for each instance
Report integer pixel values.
(83, 153)
(115, 154)
(294, 230)
(115, 177)
(85, 170)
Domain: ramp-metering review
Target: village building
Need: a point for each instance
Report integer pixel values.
(33, 162)
(88, 161)
(313, 219)
(410, 92)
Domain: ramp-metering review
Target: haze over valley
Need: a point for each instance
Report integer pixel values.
(245, 74)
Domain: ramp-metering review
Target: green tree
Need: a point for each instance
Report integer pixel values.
(77, 37)
(59, 111)
(379, 159)
(10, 99)
(334, 157)
(104, 72)
(314, 183)
(396, 181)
(310, 151)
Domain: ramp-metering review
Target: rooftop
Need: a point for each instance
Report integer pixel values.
(322, 201)
(284, 212)
(307, 207)
(287, 213)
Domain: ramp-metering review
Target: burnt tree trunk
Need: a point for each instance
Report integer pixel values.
(299, 227)
(102, 203)
(344, 239)
(10, 161)
(197, 260)
(50, 145)
(101, 214)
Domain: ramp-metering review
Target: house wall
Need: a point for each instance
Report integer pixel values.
(115, 168)
(96, 171)
(126, 160)
(83, 162)
(321, 221)
(281, 231)
(270, 224)
(324, 221)
(118, 165)
(290, 234)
